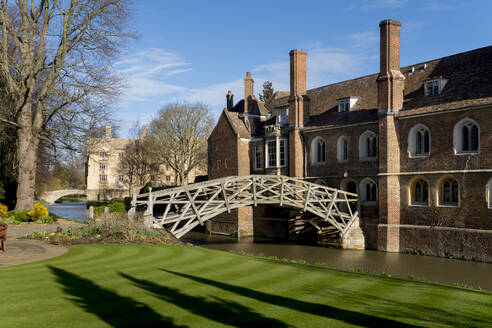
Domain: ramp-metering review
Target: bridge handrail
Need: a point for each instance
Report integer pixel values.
(213, 182)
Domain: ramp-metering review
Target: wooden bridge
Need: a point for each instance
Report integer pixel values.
(188, 206)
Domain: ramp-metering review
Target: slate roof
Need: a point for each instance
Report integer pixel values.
(469, 83)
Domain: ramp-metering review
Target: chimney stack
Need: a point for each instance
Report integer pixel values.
(108, 132)
(390, 80)
(248, 90)
(230, 101)
(298, 111)
(297, 72)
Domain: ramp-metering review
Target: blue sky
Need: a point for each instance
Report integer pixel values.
(197, 50)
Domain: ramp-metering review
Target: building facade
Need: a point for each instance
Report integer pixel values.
(414, 142)
(106, 178)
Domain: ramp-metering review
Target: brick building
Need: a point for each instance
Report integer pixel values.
(414, 142)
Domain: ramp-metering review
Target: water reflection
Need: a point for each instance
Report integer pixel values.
(429, 268)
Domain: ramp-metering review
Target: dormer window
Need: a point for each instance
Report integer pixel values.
(435, 87)
(345, 104)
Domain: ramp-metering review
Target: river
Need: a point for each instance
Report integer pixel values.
(428, 268)
(76, 211)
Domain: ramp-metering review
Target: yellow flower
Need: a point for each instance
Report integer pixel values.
(3, 211)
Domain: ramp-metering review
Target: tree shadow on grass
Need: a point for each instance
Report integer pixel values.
(327, 311)
(219, 310)
(114, 309)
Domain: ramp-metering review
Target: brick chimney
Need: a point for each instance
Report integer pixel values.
(298, 111)
(229, 100)
(108, 132)
(390, 101)
(248, 90)
(390, 79)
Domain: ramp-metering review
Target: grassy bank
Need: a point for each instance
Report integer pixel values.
(181, 286)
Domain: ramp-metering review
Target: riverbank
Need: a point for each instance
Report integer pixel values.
(184, 286)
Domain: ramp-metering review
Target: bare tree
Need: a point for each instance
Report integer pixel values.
(138, 164)
(55, 64)
(178, 136)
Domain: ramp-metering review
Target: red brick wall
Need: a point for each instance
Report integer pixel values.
(222, 146)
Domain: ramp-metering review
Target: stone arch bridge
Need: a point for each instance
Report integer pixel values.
(52, 196)
(191, 205)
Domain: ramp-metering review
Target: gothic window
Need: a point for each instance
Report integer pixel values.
(318, 150)
(272, 153)
(368, 191)
(103, 178)
(102, 166)
(368, 146)
(420, 192)
(342, 149)
(449, 192)
(226, 163)
(102, 155)
(419, 141)
(466, 137)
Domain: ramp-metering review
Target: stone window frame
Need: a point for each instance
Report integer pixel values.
(257, 158)
(271, 153)
(342, 149)
(121, 178)
(282, 155)
(417, 129)
(488, 194)
(414, 183)
(315, 148)
(373, 146)
(226, 163)
(441, 192)
(103, 155)
(458, 137)
(103, 166)
(373, 191)
(103, 178)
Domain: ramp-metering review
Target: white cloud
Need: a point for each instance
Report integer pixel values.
(151, 82)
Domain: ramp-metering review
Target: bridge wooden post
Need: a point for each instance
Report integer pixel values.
(149, 212)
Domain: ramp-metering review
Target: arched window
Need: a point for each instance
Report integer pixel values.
(368, 146)
(420, 192)
(488, 193)
(342, 149)
(419, 141)
(449, 192)
(368, 191)
(466, 137)
(318, 150)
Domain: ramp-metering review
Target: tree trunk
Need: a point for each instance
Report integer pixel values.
(27, 149)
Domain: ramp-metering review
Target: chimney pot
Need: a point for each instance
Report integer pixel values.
(248, 74)
(229, 100)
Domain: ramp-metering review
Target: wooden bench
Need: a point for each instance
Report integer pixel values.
(3, 236)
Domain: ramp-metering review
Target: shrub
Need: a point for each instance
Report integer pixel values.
(38, 212)
(20, 216)
(114, 207)
(3, 211)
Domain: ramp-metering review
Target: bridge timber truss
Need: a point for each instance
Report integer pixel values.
(188, 206)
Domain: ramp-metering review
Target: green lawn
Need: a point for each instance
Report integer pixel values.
(184, 286)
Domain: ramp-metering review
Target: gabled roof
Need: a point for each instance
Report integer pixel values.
(237, 124)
